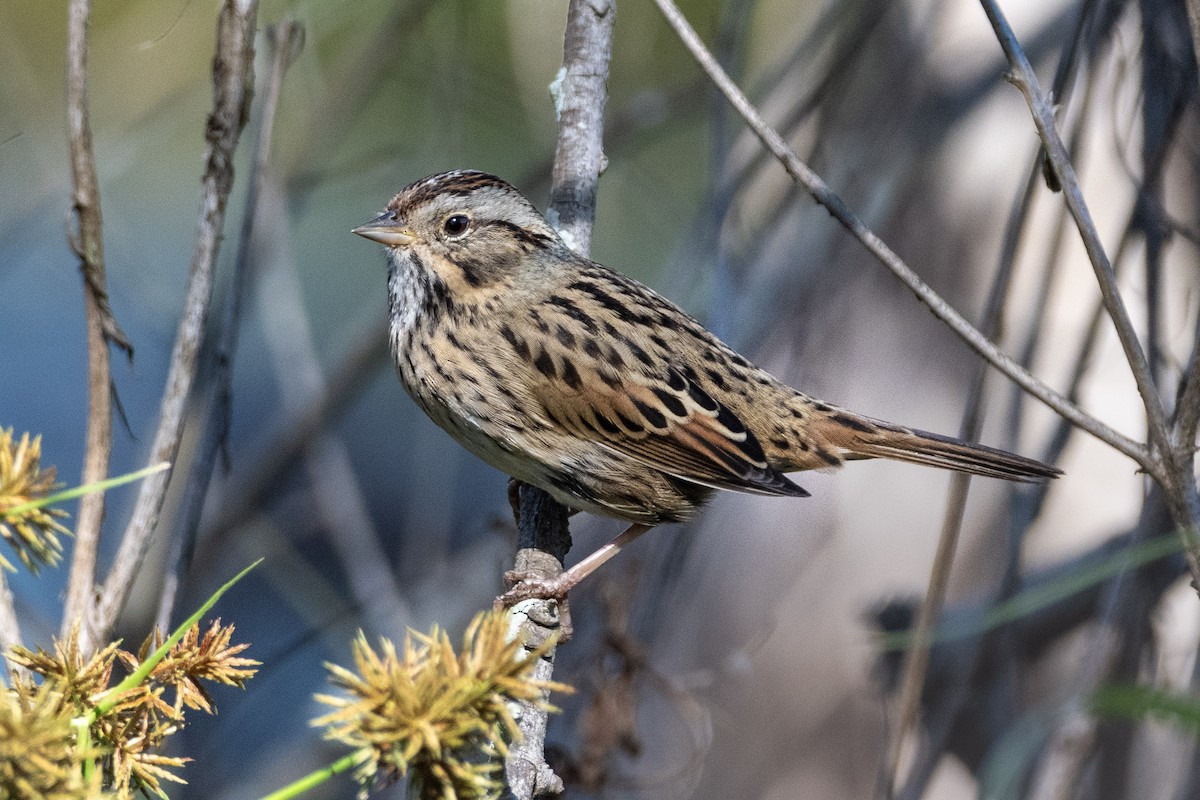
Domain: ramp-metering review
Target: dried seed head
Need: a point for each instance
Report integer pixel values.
(33, 532)
(432, 714)
(38, 757)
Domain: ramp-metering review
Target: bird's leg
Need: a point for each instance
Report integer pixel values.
(525, 586)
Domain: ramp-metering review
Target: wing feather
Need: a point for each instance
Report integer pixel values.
(657, 416)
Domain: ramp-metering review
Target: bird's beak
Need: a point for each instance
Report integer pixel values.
(385, 230)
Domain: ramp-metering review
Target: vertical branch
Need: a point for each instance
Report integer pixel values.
(88, 244)
(233, 87)
(284, 42)
(580, 95)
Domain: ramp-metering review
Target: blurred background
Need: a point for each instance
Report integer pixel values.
(735, 657)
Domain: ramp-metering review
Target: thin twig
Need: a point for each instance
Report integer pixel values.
(1024, 78)
(88, 243)
(917, 660)
(838, 209)
(233, 82)
(284, 42)
(578, 161)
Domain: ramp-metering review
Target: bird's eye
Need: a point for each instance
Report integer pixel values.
(457, 224)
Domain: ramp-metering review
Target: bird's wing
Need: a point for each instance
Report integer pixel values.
(651, 412)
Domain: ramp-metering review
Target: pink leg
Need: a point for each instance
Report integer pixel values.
(525, 586)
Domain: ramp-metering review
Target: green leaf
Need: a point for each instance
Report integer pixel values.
(135, 678)
(317, 777)
(1140, 702)
(87, 488)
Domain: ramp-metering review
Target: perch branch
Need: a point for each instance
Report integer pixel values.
(580, 98)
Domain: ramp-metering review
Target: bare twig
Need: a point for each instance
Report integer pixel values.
(916, 663)
(1024, 78)
(284, 42)
(917, 660)
(578, 161)
(838, 209)
(233, 81)
(88, 243)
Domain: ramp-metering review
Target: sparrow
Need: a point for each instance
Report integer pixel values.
(572, 377)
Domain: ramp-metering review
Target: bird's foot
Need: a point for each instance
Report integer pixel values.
(532, 586)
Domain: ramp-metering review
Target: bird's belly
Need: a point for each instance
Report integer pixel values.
(584, 475)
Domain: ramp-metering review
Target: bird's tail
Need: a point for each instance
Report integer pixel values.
(849, 436)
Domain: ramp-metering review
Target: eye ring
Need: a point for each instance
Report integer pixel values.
(456, 224)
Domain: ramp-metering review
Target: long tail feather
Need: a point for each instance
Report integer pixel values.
(854, 437)
(935, 450)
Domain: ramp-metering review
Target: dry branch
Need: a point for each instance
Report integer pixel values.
(233, 84)
(284, 42)
(578, 162)
(87, 241)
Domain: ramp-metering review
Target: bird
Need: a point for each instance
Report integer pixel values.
(577, 379)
